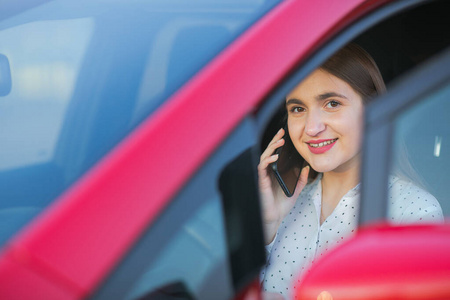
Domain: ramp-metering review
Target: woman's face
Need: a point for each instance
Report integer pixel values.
(325, 117)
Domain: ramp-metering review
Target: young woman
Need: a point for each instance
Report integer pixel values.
(325, 124)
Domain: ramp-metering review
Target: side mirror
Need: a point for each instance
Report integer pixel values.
(5, 76)
(385, 262)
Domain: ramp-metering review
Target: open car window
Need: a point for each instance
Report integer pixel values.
(421, 160)
(406, 158)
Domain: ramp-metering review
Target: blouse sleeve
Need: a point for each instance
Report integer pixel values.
(269, 247)
(411, 204)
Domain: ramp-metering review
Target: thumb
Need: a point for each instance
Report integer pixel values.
(303, 180)
(324, 296)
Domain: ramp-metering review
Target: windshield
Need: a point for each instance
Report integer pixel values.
(82, 74)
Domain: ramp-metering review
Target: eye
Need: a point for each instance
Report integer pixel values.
(333, 104)
(297, 109)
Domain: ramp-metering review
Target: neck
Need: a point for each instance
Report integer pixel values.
(343, 178)
(335, 184)
(338, 182)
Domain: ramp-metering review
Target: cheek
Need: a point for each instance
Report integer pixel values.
(295, 127)
(353, 128)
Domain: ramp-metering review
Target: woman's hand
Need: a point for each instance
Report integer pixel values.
(275, 205)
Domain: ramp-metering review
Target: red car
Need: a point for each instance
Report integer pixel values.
(130, 132)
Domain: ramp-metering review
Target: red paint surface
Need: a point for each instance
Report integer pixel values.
(385, 263)
(251, 292)
(20, 281)
(79, 239)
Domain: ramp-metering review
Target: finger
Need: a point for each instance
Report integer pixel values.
(303, 180)
(271, 148)
(263, 174)
(264, 179)
(324, 296)
(262, 167)
(277, 136)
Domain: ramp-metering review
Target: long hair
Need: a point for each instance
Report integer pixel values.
(356, 67)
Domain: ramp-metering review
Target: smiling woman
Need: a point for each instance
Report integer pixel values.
(325, 115)
(327, 120)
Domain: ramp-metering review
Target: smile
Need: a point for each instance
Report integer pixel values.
(322, 146)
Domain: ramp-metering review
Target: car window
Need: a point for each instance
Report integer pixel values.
(44, 79)
(187, 252)
(83, 74)
(418, 187)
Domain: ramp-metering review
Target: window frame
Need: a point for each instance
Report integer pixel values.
(379, 130)
(177, 214)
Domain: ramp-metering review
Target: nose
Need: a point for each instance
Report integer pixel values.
(314, 123)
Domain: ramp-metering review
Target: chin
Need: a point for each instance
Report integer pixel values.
(322, 167)
(321, 170)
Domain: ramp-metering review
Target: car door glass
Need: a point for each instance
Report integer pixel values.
(44, 58)
(43, 80)
(81, 75)
(198, 245)
(418, 186)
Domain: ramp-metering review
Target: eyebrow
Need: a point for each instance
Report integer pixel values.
(329, 95)
(319, 98)
(294, 101)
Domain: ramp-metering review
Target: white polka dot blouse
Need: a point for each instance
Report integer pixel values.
(301, 239)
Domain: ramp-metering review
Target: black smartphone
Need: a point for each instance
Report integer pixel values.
(287, 168)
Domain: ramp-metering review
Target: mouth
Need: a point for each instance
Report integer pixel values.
(321, 146)
(321, 143)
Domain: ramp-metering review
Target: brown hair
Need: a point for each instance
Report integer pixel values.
(356, 67)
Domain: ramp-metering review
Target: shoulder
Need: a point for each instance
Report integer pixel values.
(410, 203)
(399, 188)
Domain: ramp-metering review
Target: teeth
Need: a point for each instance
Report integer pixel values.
(323, 143)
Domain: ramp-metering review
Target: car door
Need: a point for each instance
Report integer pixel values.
(74, 244)
(89, 76)
(253, 72)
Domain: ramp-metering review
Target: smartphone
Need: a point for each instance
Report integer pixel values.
(287, 168)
